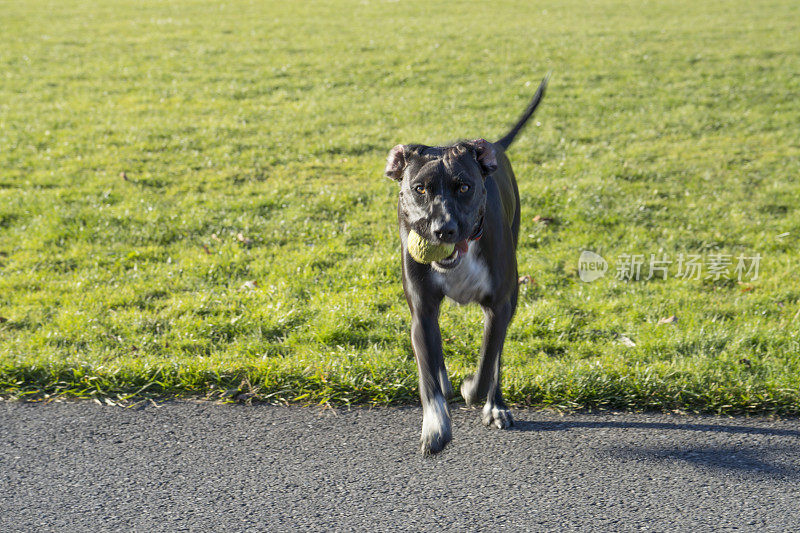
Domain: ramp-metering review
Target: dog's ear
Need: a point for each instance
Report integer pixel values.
(485, 155)
(396, 162)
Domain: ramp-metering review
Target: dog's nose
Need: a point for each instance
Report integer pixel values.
(445, 232)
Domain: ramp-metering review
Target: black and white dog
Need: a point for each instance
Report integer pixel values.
(463, 194)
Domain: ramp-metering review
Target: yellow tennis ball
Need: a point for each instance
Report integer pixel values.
(424, 251)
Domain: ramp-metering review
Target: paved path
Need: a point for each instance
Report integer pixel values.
(189, 466)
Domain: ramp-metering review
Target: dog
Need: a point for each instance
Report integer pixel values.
(464, 194)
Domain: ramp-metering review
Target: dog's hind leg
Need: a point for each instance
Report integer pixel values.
(484, 385)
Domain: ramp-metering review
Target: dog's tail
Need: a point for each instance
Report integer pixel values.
(508, 138)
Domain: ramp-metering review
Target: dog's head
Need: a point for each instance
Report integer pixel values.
(442, 195)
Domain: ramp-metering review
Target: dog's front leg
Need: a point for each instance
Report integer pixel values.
(427, 342)
(485, 383)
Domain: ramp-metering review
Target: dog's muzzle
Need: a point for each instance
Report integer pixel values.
(461, 249)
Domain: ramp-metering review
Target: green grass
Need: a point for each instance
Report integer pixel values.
(668, 127)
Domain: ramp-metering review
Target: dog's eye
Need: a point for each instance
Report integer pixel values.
(463, 188)
(420, 189)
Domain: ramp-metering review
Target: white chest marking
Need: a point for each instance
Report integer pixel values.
(468, 281)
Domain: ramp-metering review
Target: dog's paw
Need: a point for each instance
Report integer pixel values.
(497, 417)
(468, 391)
(436, 427)
(433, 442)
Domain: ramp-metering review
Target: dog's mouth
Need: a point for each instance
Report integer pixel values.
(453, 259)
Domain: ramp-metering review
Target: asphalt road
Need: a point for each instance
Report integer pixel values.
(190, 466)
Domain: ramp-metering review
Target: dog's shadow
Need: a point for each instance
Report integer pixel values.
(777, 456)
(565, 425)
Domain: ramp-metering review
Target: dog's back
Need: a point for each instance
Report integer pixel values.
(507, 188)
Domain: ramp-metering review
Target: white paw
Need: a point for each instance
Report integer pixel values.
(467, 391)
(436, 428)
(497, 417)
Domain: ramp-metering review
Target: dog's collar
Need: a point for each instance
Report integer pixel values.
(478, 231)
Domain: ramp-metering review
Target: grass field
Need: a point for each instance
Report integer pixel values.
(192, 200)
